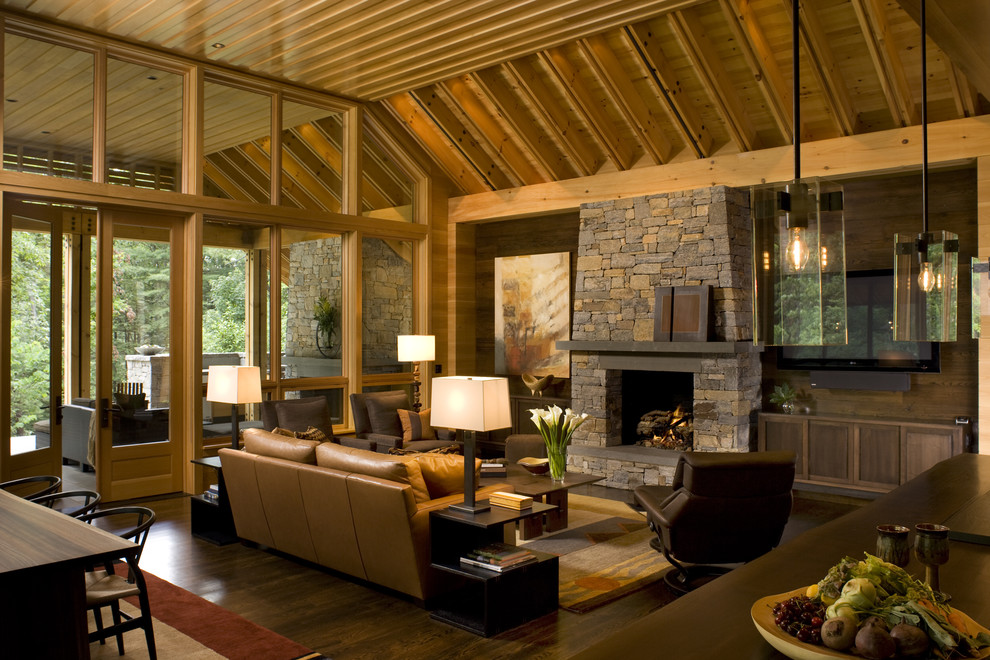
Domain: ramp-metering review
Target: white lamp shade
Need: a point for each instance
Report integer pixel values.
(230, 384)
(470, 403)
(417, 348)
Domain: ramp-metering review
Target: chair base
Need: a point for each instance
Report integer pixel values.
(684, 579)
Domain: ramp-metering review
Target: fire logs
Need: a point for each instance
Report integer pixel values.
(667, 429)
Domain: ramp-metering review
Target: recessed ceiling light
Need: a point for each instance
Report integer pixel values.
(219, 45)
(46, 132)
(11, 100)
(152, 77)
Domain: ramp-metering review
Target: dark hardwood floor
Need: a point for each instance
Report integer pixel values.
(344, 619)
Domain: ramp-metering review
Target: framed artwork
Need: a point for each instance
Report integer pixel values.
(532, 312)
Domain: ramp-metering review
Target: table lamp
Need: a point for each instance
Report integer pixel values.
(233, 385)
(416, 349)
(470, 403)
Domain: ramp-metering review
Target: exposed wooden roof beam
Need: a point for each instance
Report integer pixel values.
(213, 172)
(251, 178)
(685, 115)
(458, 168)
(955, 141)
(691, 35)
(541, 99)
(823, 66)
(879, 42)
(502, 95)
(304, 158)
(463, 97)
(592, 108)
(755, 49)
(959, 28)
(627, 98)
(446, 114)
(963, 93)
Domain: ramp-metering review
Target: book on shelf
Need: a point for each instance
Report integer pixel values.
(498, 552)
(510, 500)
(499, 567)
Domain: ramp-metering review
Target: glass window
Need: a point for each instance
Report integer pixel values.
(312, 144)
(311, 304)
(47, 109)
(386, 302)
(237, 138)
(144, 126)
(236, 296)
(386, 190)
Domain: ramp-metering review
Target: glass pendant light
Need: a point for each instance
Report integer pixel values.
(799, 285)
(925, 265)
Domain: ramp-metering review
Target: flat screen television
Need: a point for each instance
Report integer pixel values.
(871, 347)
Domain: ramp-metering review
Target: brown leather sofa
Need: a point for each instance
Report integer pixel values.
(358, 512)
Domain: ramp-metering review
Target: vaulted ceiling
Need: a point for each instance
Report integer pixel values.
(508, 93)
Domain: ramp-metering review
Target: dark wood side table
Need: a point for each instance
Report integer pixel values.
(490, 602)
(208, 519)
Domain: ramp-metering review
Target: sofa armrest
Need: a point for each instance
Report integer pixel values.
(356, 443)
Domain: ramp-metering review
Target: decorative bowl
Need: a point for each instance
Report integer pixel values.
(149, 349)
(535, 465)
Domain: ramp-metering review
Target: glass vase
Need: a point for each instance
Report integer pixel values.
(558, 462)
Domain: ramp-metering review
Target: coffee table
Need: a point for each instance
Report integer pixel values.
(542, 489)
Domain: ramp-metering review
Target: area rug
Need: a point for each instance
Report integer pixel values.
(604, 553)
(187, 626)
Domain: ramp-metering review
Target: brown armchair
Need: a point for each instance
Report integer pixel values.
(378, 426)
(725, 509)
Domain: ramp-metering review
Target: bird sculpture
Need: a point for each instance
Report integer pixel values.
(537, 384)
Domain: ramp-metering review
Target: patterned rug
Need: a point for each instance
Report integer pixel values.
(604, 553)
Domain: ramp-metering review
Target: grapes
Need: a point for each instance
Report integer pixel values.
(800, 617)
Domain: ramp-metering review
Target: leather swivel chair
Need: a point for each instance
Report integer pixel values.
(724, 509)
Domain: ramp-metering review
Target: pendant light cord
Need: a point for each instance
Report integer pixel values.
(795, 56)
(924, 120)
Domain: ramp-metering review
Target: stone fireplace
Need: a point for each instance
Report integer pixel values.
(627, 248)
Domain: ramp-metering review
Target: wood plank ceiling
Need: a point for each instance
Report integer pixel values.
(508, 93)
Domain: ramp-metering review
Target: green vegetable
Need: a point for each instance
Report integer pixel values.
(860, 593)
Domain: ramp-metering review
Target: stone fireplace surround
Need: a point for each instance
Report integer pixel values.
(626, 249)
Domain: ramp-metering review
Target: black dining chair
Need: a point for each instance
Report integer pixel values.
(106, 588)
(34, 486)
(74, 503)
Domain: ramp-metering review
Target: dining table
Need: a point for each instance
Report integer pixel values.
(43, 558)
(715, 620)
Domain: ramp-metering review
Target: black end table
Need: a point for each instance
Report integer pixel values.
(490, 602)
(212, 520)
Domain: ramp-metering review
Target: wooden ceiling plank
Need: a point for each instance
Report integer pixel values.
(756, 50)
(448, 117)
(248, 21)
(312, 183)
(879, 43)
(490, 42)
(682, 111)
(407, 112)
(627, 98)
(592, 108)
(502, 96)
(824, 67)
(540, 98)
(462, 96)
(244, 174)
(215, 174)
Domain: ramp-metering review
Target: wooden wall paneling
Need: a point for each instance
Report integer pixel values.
(983, 241)
(462, 317)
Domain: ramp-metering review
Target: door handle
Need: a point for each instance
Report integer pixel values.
(104, 413)
(58, 410)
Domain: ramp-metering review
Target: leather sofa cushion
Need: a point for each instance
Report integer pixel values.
(444, 473)
(383, 412)
(266, 443)
(401, 469)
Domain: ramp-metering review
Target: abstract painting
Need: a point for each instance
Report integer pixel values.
(532, 313)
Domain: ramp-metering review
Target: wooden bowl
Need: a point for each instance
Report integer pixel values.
(535, 465)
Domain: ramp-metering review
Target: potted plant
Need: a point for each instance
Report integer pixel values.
(784, 396)
(326, 316)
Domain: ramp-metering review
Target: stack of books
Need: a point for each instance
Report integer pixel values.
(510, 500)
(498, 557)
(493, 470)
(212, 493)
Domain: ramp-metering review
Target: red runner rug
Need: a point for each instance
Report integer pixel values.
(229, 634)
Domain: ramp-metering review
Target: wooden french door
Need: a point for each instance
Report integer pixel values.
(30, 336)
(138, 351)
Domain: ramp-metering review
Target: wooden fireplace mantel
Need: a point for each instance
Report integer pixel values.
(659, 355)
